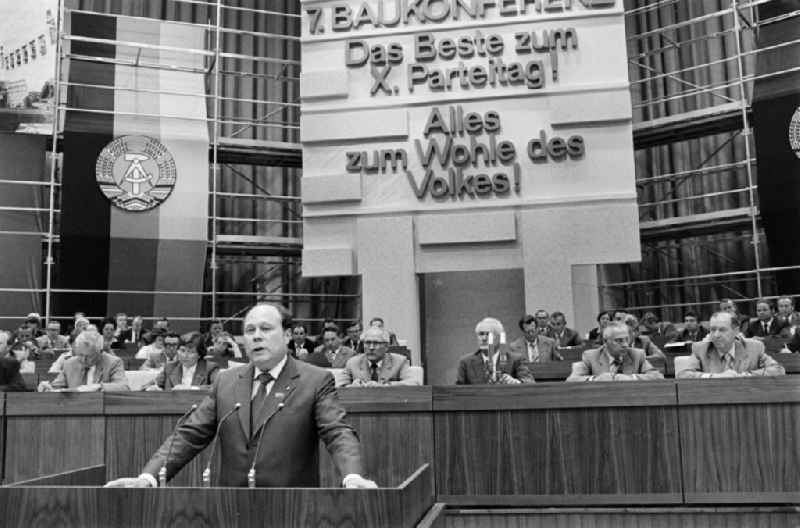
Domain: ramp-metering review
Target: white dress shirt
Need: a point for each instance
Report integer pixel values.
(188, 375)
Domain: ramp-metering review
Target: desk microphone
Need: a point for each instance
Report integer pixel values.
(207, 470)
(162, 473)
(251, 475)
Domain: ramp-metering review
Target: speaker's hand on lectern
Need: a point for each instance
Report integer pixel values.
(129, 482)
(358, 482)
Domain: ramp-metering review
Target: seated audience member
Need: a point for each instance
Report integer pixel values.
(533, 346)
(215, 328)
(787, 313)
(640, 341)
(10, 377)
(53, 341)
(110, 342)
(34, 322)
(564, 336)
(652, 327)
(189, 370)
(353, 339)
(329, 323)
(163, 324)
(25, 334)
(91, 369)
(596, 334)
(157, 358)
(616, 360)
(766, 324)
(137, 331)
(122, 332)
(156, 345)
(542, 321)
(222, 352)
(492, 362)
(743, 320)
(331, 353)
(728, 355)
(618, 316)
(692, 329)
(81, 323)
(377, 366)
(378, 322)
(300, 345)
(21, 352)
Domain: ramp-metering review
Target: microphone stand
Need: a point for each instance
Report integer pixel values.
(162, 473)
(207, 471)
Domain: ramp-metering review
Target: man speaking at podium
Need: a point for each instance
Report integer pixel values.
(275, 409)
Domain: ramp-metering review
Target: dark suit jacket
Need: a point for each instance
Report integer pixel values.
(546, 345)
(775, 327)
(308, 344)
(471, 370)
(173, 374)
(684, 335)
(110, 371)
(10, 378)
(749, 357)
(319, 358)
(595, 362)
(569, 338)
(291, 432)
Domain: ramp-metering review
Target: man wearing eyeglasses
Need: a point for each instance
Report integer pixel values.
(377, 367)
(616, 360)
(158, 358)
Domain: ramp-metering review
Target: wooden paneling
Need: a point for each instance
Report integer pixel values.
(54, 404)
(393, 445)
(554, 396)
(149, 403)
(739, 440)
(197, 507)
(627, 517)
(43, 445)
(386, 399)
(558, 456)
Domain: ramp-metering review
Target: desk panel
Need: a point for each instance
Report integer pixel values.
(395, 426)
(739, 440)
(557, 444)
(52, 432)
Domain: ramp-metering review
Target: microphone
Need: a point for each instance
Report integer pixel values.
(207, 470)
(251, 475)
(162, 473)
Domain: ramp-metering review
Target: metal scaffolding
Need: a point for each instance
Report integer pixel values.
(692, 69)
(251, 65)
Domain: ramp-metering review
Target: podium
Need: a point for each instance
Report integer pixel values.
(76, 498)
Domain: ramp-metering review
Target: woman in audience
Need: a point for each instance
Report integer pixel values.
(21, 352)
(81, 323)
(109, 338)
(596, 334)
(189, 371)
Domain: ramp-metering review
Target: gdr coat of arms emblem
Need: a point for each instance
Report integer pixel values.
(136, 173)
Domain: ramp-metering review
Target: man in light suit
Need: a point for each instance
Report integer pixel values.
(533, 346)
(53, 340)
(615, 360)
(728, 355)
(493, 362)
(331, 353)
(377, 367)
(90, 369)
(285, 407)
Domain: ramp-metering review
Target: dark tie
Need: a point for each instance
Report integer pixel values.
(260, 399)
(616, 366)
(764, 326)
(373, 370)
(85, 375)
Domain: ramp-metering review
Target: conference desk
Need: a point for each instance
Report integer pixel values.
(555, 444)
